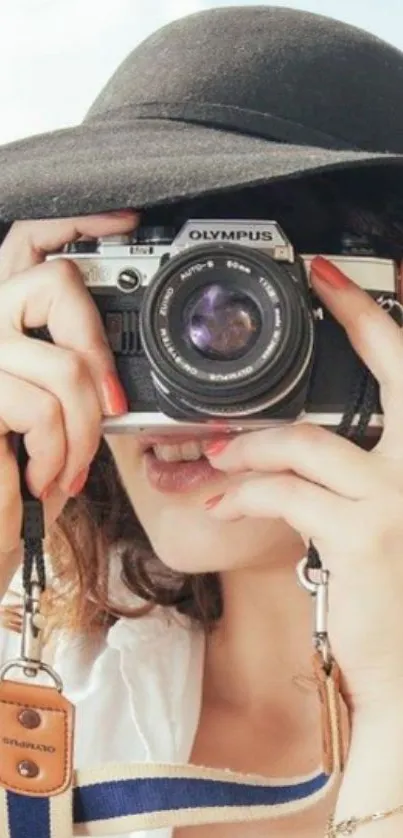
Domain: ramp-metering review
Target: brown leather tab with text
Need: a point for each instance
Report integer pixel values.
(36, 739)
(333, 716)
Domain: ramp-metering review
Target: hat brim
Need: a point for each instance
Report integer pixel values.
(98, 167)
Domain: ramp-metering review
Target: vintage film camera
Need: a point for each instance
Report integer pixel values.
(218, 321)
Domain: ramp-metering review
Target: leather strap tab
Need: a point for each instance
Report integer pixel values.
(36, 739)
(333, 745)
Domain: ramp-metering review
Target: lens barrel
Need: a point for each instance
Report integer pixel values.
(227, 330)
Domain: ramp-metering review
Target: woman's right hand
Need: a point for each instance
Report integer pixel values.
(53, 394)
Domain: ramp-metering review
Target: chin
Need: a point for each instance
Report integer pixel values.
(195, 543)
(182, 533)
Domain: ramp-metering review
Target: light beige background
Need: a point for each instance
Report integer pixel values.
(56, 54)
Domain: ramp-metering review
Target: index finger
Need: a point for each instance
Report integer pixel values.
(376, 338)
(28, 242)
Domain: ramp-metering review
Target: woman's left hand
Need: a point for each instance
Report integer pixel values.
(347, 500)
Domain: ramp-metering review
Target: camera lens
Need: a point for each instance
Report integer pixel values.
(221, 323)
(227, 331)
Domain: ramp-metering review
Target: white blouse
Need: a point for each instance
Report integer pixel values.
(137, 690)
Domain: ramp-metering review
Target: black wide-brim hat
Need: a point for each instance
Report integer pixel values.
(218, 100)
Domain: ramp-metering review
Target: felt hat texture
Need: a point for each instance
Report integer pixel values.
(217, 100)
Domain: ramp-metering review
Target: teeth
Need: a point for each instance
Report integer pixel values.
(175, 453)
(167, 453)
(191, 451)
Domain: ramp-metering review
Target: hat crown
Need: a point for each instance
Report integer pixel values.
(300, 68)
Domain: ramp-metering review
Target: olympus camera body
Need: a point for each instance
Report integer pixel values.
(218, 321)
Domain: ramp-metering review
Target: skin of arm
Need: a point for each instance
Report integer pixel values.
(373, 777)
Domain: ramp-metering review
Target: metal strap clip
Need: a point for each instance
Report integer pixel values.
(316, 582)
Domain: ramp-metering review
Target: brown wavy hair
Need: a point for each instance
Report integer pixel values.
(100, 526)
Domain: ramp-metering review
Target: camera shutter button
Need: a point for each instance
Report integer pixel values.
(128, 280)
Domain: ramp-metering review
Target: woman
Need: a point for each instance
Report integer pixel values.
(217, 671)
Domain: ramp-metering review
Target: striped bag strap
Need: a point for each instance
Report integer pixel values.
(49, 800)
(116, 799)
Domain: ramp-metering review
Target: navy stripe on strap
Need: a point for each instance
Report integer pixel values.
(28, 816)
(157, 794)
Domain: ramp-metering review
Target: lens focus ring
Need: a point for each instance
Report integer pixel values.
(226, 327)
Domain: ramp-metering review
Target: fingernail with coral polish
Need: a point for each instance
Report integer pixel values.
(78, 483)
(113, 396)
(212, 502)
(215, 447)
(328, 273)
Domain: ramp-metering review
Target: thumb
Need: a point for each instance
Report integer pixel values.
(28, 242)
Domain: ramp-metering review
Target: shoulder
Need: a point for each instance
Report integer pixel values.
(137, 690)
(136, 687)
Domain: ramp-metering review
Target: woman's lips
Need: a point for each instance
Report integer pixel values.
(182, 476)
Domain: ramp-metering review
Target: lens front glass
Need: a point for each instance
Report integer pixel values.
(226, 330)
(220, 322)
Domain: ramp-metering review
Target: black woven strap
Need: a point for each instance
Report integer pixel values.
(363, 402)
(32, 530)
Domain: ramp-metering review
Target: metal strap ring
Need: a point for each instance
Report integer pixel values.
(41, 667)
